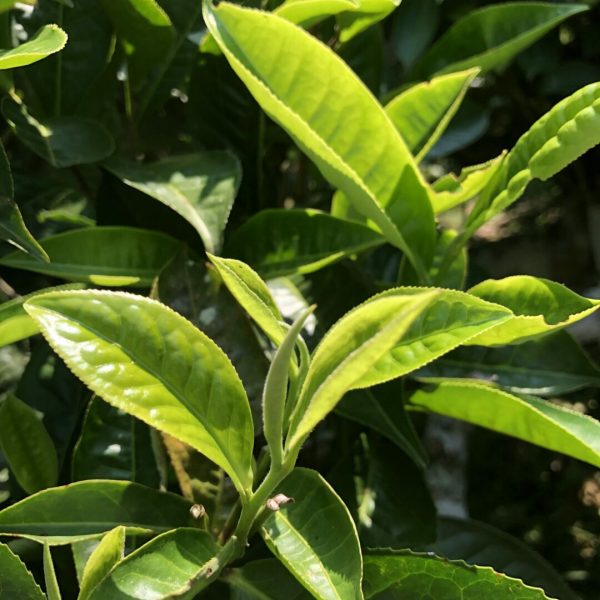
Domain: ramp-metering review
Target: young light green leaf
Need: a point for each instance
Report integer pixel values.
(525, 417)
(348, 353)
(253, 295)
(15, 580)
(393, 574)
(52, 589)
(62, 141)
(200, 187)
(81, 551)
(325, 120)
(86, 509)
(539, 305)
(489, 38)
(147, 360)
(108, 553)
(176, 564)
(368, 13)
(283, 242)
(552, 365)
(48, 40)
(108, 256)
(422, 113)
(315, 538)
(310, 12)
(27, 446)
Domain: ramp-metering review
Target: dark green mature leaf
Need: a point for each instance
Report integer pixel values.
(489, 38)
(169, 566)
(480, 544)
(262, 579)
(27, 446)
(540, 306)
(397, 575)
(528, 418)
(553, 365)
(284, 242)
(87, 509)
(144, 358)
(52, 589)
(326, 120)
(422, 113)
(46, 41)
(62, 141)
(15, 580)
(108, 256)
(199, 187)
(315, 537)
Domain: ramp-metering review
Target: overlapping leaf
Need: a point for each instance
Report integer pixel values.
(15, 580)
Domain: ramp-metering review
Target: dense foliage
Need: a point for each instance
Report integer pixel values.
(243, 232)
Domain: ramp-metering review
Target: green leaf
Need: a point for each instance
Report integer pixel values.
(48, 40)
(27, 446)
(451, 276)
(283, 242)
(552, 365)
(539, 305)
(310, 12)
(86, 509)
(62, 141)
(480, 544)
(146, 32)
(261, 579)
(199, 187)
(147, 360)
(52, 589)
(326, 119)
(15, 580)
(489, 38)
(422, 113)
(525, 417)
(108, 553)
(315, 538)
(15, 323)
(169, 566)
(348, 353)
(390, 575)
(253, 295)
(108, 256)
(368, 13)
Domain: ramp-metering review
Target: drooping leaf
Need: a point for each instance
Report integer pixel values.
(52, 589)
(169, 566)
(144, 358)
(27, 446)
(368, 13)
(540, 306)
(108, 256)
(199, 187)
(326, 120)
(48, 40)
(15, 580)
(480, 544)
(86, 509)
(390, 575)
(489, 38)
(62, 141)
(107, 554)
(552, 365)
(315, 538)
(422, 113)
(283, 242)
(528, 418)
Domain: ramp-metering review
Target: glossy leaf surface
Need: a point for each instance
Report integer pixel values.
(15, 580)
(109, 256)
(199, 187)
(147, 360)
(284, 242)
(326, 120)
(315, 538)
(27, 446)
(46, 41)
(528, 418)
(165, 567)
(87, 509)
(390, 575)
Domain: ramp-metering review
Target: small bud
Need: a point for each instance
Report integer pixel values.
(197, 511)
(278, 501)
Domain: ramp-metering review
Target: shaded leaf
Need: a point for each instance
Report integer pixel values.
(52, 589)
(48, 40)
(15, 580)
